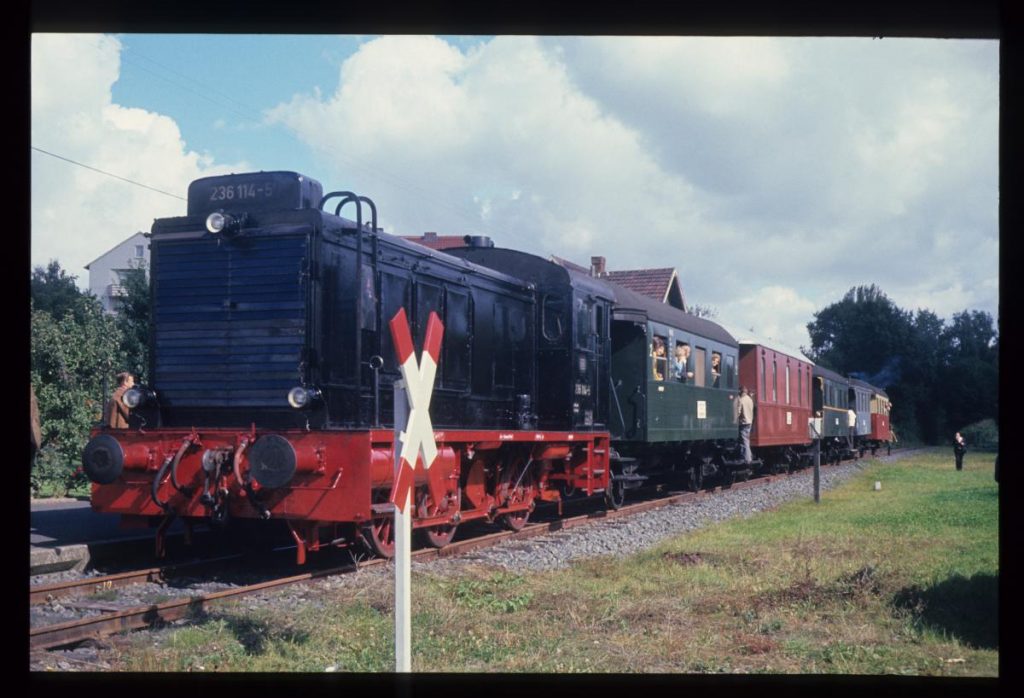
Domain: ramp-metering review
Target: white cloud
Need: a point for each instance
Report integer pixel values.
(78, 214)
(498, 134)
(772, 312)
(800, 167)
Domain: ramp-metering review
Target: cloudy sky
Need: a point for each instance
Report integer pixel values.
(773, 173)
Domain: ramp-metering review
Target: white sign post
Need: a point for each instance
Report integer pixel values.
(412, 410)
(403, 546)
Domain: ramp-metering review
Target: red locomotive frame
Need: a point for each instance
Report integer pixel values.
(343, 480)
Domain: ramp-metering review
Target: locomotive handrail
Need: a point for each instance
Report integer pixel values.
(359, 201)
(347, 194)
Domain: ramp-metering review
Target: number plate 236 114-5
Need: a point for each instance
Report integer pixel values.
(230, 192)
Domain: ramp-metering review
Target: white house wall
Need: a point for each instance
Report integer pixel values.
(103, 277)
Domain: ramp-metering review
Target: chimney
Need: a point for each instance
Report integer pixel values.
(429, 236)
(597, 266)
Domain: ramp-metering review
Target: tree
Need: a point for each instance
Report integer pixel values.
(704, 311)
(863, 332)
(75, 349)
(54, 291)
(940, 378)
(133, 314)
(971, 372)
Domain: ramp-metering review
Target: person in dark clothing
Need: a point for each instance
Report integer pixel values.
(959, 449)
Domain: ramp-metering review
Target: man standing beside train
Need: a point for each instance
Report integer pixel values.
(745, 414)
(115, 414)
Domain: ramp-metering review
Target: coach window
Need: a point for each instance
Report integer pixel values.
(698, 365)
(553, 325)
(764, 381)
(730, 370)
(799, 386)
(716, 369)
(659, 358)
(787, 382)
(775, 380)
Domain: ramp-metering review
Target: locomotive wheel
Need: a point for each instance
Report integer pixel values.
(516, 520)
(728, 478)
(435, 536)
(438, 536)
(615, 495)
(379, 535)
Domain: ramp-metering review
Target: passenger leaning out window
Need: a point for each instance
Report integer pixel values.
(680, 362)
(659, 358)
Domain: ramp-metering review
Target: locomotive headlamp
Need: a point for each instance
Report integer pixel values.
(133, 397)
(220, 222)
(300, 397)
(216, 222)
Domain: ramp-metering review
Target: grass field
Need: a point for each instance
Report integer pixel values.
(899, 581)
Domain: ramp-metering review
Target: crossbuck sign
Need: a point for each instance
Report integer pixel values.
(418, 445)
(419, 449)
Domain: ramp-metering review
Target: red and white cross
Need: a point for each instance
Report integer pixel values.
(419, 449)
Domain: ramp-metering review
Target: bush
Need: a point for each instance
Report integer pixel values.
(982, 436)
(53, 476)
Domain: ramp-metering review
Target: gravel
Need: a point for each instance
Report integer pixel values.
(622, 537)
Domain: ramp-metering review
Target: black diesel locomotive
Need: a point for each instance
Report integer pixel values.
(272, 369)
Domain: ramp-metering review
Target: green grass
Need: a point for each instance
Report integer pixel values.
(897, 581)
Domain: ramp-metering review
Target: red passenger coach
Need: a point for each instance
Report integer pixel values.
(779, 380)
(881, 431)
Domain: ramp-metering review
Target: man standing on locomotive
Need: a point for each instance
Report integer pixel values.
(115, 414)
(745, 415)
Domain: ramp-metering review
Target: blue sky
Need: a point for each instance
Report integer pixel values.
(773, 173)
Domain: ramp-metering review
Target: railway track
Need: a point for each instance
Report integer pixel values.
(113, 620)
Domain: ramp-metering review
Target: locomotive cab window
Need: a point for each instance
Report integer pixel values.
(584, 324)
(553, 320)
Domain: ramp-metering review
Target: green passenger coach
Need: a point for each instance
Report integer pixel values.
(654, 402)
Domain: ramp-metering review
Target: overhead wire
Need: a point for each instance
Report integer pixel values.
(104, 172)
